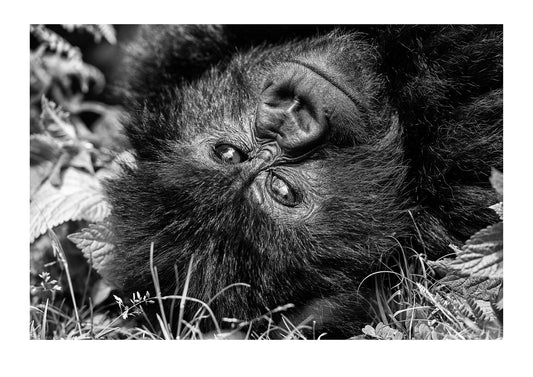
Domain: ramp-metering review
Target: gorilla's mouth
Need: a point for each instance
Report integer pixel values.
(331, 78)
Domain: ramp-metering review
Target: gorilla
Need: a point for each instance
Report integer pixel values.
(294, 159)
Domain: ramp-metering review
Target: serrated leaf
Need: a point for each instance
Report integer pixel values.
(97, 245)
(496, 179)
(481, 310)
(80, 197)
(482, 255)
(96, 242)
(478, 287)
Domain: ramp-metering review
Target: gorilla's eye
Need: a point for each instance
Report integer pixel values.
(281, 191)
(229, 154)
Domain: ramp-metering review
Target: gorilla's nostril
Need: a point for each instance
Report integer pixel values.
(298, 108)
(268, 152)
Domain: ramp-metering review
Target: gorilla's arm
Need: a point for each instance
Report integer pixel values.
(164, 56)
(445, 83)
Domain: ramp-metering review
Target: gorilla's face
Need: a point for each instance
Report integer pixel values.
(281, 169)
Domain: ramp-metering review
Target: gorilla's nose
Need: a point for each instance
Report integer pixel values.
(299, 105)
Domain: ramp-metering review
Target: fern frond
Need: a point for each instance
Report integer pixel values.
(98, 32)
(54, 42)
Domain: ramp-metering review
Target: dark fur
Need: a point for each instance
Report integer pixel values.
(428, 132)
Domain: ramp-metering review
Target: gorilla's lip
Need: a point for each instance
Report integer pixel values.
(329, 78)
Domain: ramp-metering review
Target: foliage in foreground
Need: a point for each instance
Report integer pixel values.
(459, 297)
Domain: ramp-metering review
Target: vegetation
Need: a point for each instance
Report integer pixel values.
(76, 142)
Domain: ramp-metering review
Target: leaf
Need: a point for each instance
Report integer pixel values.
(387, 333)
(100, 292)
(56, 122)
(382, 332)
(108, 32)
(108, 130)
(97, 245)
(81, 159)
(38, 174)
(80, 197)
(478, 287)
(98, 31)
(499, 298)
(44, 154)
(482, 255)
(43, 148)
(498, 208)
(68, 71)
(481, 310)
(369, 330)
(54, 42)
(441, 266)
(424, 332)
(113, 169)
(496, 179)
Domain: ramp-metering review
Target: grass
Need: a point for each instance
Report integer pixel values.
(58, 315)
(418, 305)
(409, 303)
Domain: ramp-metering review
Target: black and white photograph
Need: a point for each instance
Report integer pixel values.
(266, 181)
(266, 188)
